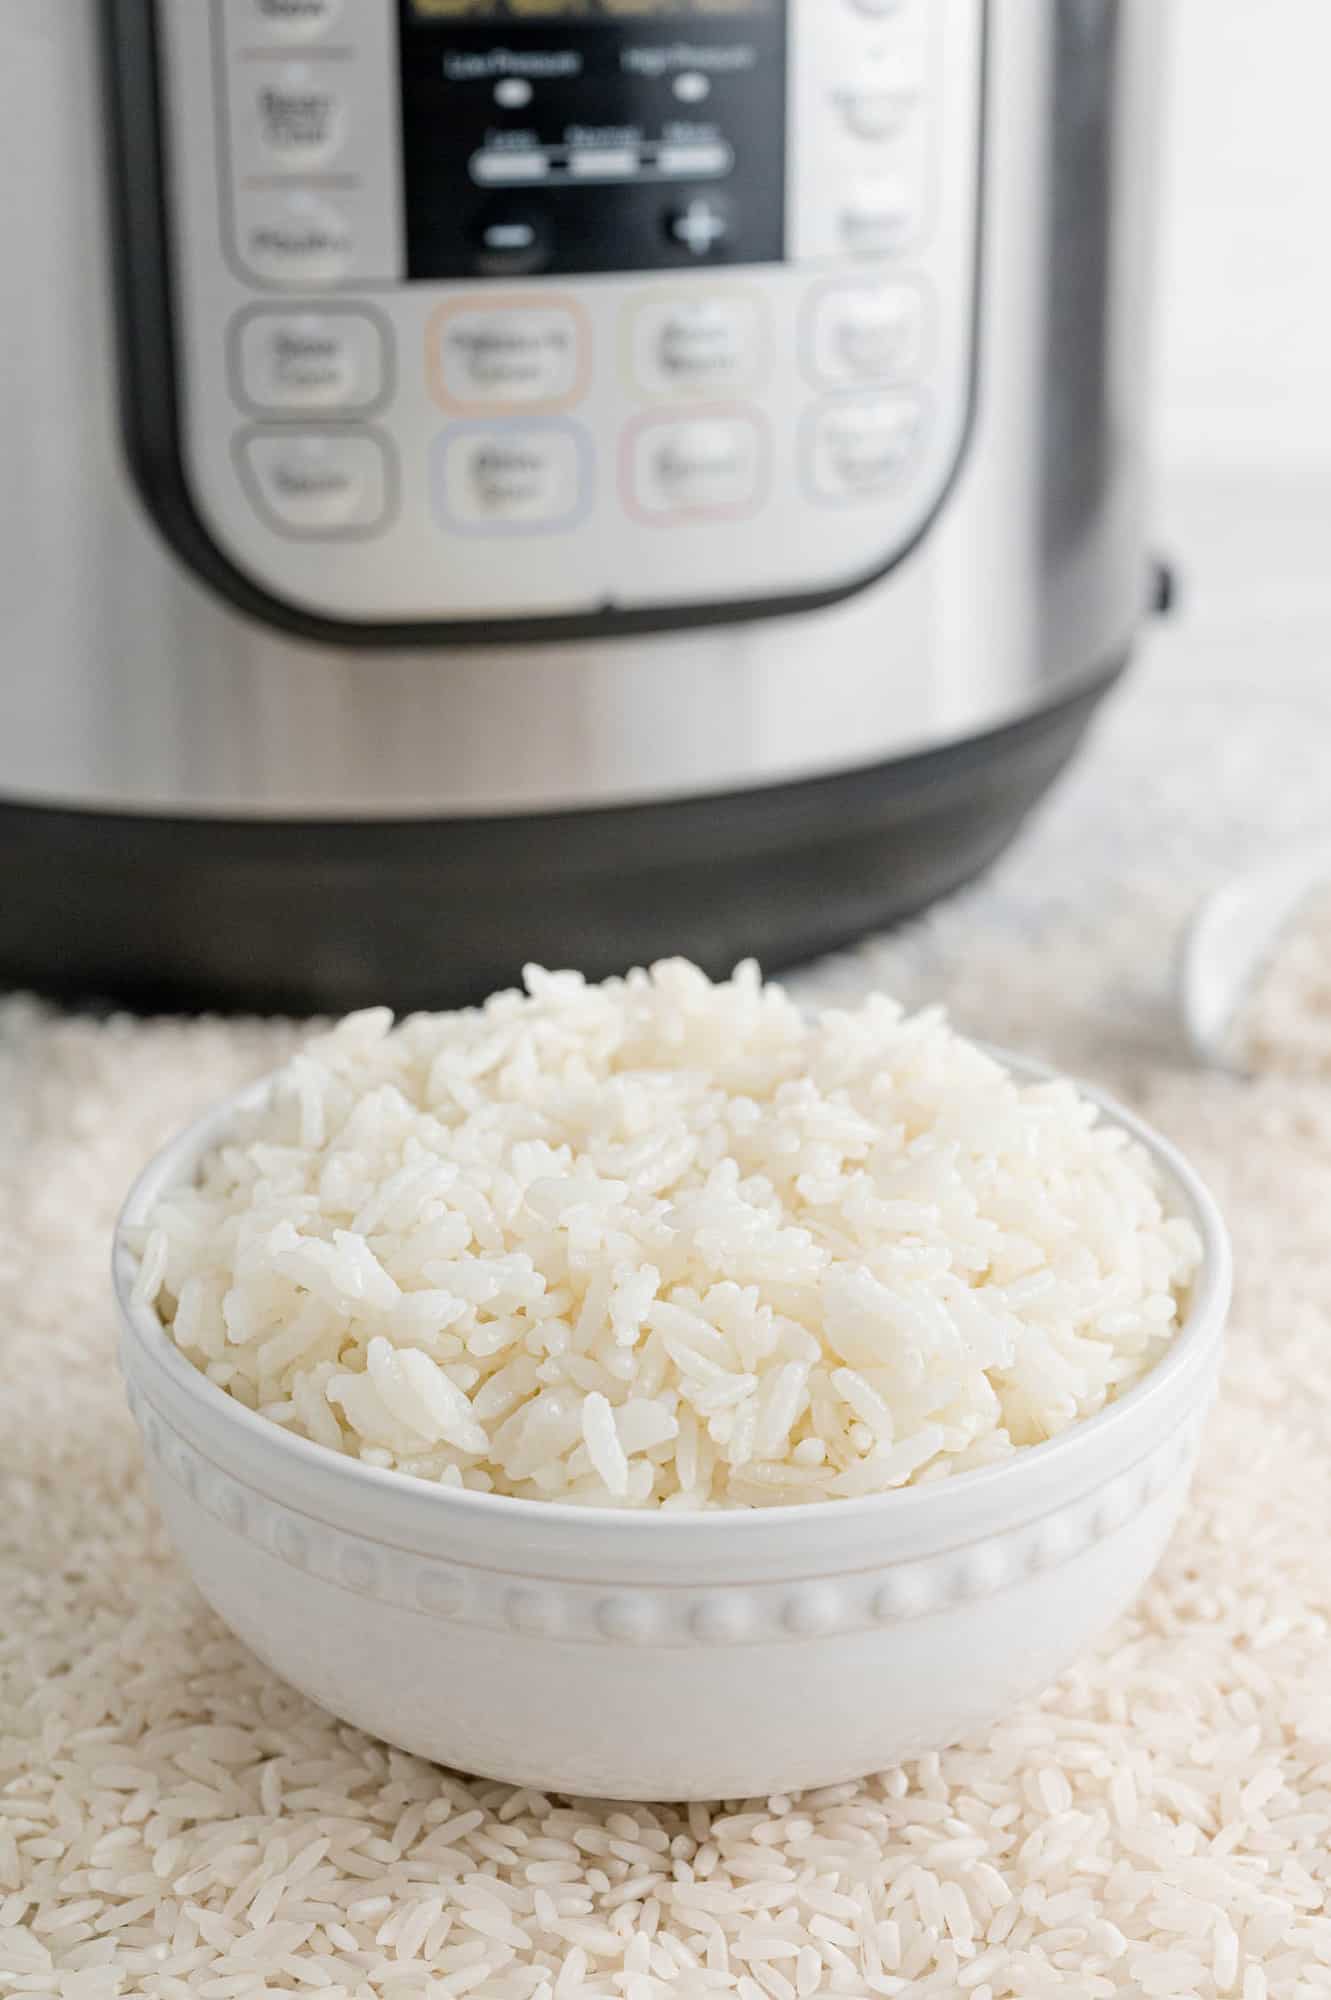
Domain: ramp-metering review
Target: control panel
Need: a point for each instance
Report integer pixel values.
(547, 310)
(592, 140)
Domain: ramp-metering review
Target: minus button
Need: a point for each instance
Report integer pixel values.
(511, 244)
(509, 236)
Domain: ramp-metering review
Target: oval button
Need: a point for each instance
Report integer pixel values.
(507, 356)
(874, 111)
(304, 361)
(695, 346)
(865, 331)
(515, 478)
(296, 238)
(697, 467)
(294, 117)
(293, 20)
(878, 217)
(501, 478)
(860, 447)
(315, 483)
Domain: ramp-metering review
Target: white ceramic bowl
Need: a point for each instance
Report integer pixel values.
(667, 1656)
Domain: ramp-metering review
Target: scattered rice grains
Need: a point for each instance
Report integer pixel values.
(1284, 1024)
(175, 1824)
(664, 1243)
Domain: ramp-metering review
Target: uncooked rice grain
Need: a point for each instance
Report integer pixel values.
(1284, 1022)
(665, 1243)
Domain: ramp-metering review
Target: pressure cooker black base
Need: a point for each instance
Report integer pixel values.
(159, 913)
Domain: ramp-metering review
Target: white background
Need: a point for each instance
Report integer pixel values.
(1245, 357)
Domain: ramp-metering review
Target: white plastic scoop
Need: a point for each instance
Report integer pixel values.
(1232, 939)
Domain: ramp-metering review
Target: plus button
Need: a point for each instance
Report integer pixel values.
(701, 227)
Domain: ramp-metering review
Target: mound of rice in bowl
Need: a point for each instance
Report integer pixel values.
(664, 1243)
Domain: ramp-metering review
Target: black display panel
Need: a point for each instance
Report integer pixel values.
(591, 135)
(526, 10)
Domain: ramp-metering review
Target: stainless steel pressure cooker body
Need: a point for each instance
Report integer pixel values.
(557, 479)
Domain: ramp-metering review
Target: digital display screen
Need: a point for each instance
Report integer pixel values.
(581, 10)
(543, 136)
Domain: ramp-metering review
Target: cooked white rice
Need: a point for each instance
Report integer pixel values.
(177, 1825)
(664, 1243)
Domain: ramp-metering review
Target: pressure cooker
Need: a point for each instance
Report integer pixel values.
(559, 480)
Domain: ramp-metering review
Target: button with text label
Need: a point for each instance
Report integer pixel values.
(295, 238)
(507, 354)
(698, 466)
(317, 483)
(876, 111)
(311, 361)
(864, 331)
(878, 216)
(510, 477)
(696, 346)
(284, 20)
(882, 10)
(291, 119)
(858, 447)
